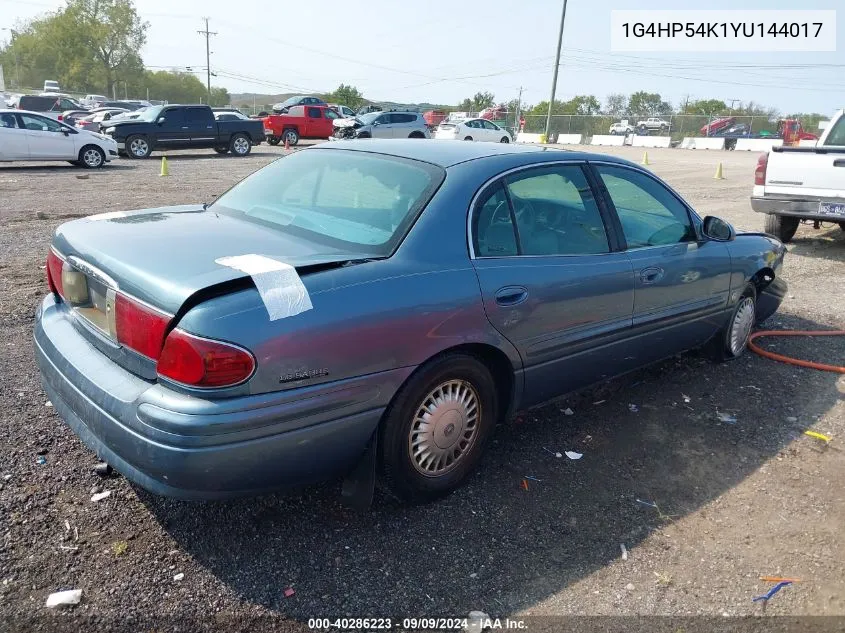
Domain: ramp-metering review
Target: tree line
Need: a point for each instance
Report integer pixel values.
(93, 46)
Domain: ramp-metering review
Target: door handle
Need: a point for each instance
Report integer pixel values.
(651, 275)
(184, 127)
(511, 295)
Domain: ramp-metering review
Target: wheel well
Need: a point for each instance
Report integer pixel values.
(762, 278)
(499, 365)
(415, 135)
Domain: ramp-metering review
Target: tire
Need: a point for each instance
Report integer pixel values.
(274, 140)
(455, 375)
(468, 138)
(505, 139)
(240, 145)
(221, 150)
(842, 225)
(91, 157)
(291, 136)
(613, 132)
(416, 135)
(782, 227)
(732, 340)
(138, 146)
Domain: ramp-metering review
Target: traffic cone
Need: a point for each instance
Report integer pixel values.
(719, 175)
(165, 170)
(645, 158)
(287, 145)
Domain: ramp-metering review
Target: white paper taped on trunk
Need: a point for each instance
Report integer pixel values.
(279, 285)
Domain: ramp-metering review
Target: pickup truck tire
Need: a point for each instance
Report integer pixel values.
(138, 146)
(221, 150)
(782, 227)
(273, 140)
(291, 136)
(240, 145)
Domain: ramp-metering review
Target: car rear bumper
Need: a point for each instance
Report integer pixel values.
(183, 446)
(805, 208)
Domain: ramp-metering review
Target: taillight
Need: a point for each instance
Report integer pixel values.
(200, 362)
(54, 272)
(760, 171)
(61, 117)
(139, 327)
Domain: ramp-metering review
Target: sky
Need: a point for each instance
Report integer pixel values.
(442, 52)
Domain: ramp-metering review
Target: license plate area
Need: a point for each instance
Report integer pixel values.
(93, 299)
(834, 209)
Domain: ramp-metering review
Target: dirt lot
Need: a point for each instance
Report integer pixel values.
(734, 501)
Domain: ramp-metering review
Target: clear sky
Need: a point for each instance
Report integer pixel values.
(444, 51)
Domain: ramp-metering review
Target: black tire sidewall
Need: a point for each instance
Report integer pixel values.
(397, 471)
(81, 162)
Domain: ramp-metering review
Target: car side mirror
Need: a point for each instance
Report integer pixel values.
(717, 229)
(161, 120)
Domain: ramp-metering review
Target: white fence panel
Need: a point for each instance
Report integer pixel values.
(607, 139)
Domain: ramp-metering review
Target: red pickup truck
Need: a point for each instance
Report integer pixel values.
(302, 121)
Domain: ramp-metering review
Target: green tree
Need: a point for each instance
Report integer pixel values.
(346, 95)
(89, 45)
(648, 104)
(705, 106)
(478, 102)
(616, 105)
(219, 97)
(175, 87)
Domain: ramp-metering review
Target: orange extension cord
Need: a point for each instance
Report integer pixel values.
(795, 361)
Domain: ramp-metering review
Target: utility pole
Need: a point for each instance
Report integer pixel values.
(208, 35)
(518, 108)
(557, 64)
(733, 101)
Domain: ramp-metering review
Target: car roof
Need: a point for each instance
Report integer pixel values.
(449, 153)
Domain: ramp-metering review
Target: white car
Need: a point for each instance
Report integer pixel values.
(621, 128)
(472, 130)
(28, 135)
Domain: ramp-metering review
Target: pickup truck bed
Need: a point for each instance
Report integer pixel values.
(803, 184)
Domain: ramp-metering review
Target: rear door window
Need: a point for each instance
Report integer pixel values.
(837, 134)
(197, 117)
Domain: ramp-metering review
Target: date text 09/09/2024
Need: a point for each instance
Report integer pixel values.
(722, 29)
(412, 624)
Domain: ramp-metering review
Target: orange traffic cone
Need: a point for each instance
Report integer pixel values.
(287, 145)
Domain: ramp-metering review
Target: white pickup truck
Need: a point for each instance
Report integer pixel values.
(803, 184)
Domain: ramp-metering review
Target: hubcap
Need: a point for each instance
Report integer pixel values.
(445, 428)
(92, 158)
(241, 146)
(138, 147)
(741, 327)
(289, 137)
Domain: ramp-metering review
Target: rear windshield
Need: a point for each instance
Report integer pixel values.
(354, 201)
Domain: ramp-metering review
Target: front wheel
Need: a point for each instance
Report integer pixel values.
(138, 147)
(733, 340)
(273, 140)
(436, 428)
(505, 139)
(468, 138)
(782, 227)
(240, 145)
(92, 157)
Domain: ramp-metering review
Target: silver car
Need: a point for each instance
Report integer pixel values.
(382, 125)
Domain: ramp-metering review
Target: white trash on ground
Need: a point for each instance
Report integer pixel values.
(63, 598)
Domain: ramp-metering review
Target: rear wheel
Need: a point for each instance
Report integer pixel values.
(273, 140)
(291, 137)
(221, 150)
(468, 138)
(92, 157)
(138, 147)
(505, 139)
(240, 145)
(436, 428)
(782, 227)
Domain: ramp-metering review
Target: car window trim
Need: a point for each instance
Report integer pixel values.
(692, 216)
(502, 177)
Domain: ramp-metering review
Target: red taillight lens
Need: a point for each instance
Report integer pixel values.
(61, 117)
(139, 327)
(760, 171)
(54, 273)
(200, 362)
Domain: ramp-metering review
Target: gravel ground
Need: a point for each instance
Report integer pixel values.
(734, 501)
